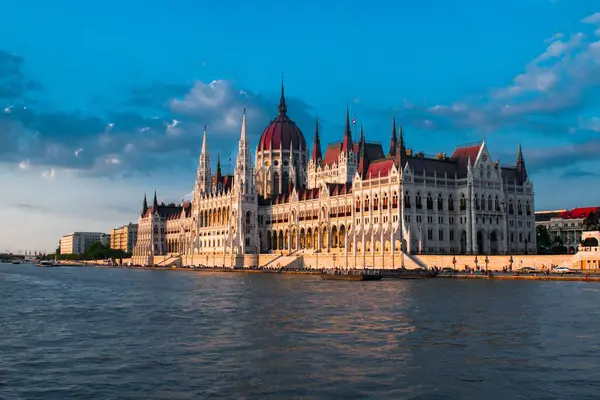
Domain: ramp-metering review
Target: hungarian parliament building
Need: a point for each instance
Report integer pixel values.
(353, 198)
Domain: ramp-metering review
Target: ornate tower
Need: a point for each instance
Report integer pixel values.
(203, 177)
(245, 198)
(348, 159)
(281, 155)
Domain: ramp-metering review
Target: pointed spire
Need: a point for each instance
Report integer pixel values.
(521, 163)
(316, 152)
(362, 162)
(218, 164)
(402, 144)
(393, 140)
(347, 145)
(204, 141)
(362, 135)
(154, 202)
(282, 106)
(145, 205)
(243, 134)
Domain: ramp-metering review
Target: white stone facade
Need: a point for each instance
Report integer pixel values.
(353, 201)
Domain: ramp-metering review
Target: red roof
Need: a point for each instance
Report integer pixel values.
(580, 212)
(380, 168)
(280, 133)
(465, 152)
(462, 154)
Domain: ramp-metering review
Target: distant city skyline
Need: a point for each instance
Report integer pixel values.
(101, 105)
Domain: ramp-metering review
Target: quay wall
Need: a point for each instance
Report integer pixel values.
(387, 261)
(496, 263)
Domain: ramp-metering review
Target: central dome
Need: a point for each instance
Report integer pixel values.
(282, 132)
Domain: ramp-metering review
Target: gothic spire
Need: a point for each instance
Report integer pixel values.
(402, 144)
(347, 145)
(204, 141)
(393, 140)
(243, 133)
(362, 162)
(154, 203)
(282, 106)
(521, 163)
(316, 152)
(145, 205)
(218, 164)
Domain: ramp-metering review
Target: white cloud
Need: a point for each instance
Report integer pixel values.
(592, 19)
(24, 164)
(50, 173)
(556, 36)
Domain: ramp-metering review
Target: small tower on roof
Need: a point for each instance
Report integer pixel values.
(347, 144)
(145, 206)
(316, 152)
(393, 140)
(521, 164)
(154, 203)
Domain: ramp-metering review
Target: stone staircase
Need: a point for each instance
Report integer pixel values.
(173, 260)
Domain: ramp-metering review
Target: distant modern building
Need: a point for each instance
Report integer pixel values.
(124, 237)
(565, 226)
(79, 242)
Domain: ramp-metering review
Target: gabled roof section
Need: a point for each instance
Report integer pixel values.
(380, 168)
(338, 189)
(462, 155)
(373, 151)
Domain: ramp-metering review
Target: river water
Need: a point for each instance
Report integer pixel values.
(88, 333)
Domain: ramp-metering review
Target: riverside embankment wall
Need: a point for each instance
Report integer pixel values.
(387, 261)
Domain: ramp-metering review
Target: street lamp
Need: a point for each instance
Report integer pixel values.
(510, 260)
(487, 260)
(454, 263)
(476, 261)
(334, 257)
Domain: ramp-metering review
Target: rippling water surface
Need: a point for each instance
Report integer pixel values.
(86, 333)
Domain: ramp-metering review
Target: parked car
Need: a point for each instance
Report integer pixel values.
(561, 270)
(527, 270)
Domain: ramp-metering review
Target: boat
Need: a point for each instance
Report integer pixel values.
(351, 275)
(16, 262)
(421, 273)
(47, 263)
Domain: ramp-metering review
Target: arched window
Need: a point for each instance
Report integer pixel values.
(429, 201)
(483, 202)
(358, 204)
(463, 203)
(519, 209)
(366, 203)
(490, 203)
(528, 208)
(440, 202)
(385, 201)
(376, 203)
(511, 209)
(497, 204)
(450, 203)
(418, 202)
(406, 200)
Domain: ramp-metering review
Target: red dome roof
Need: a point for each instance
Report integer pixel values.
(282, 132)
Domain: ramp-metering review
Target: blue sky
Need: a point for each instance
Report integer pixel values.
(90, 91)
